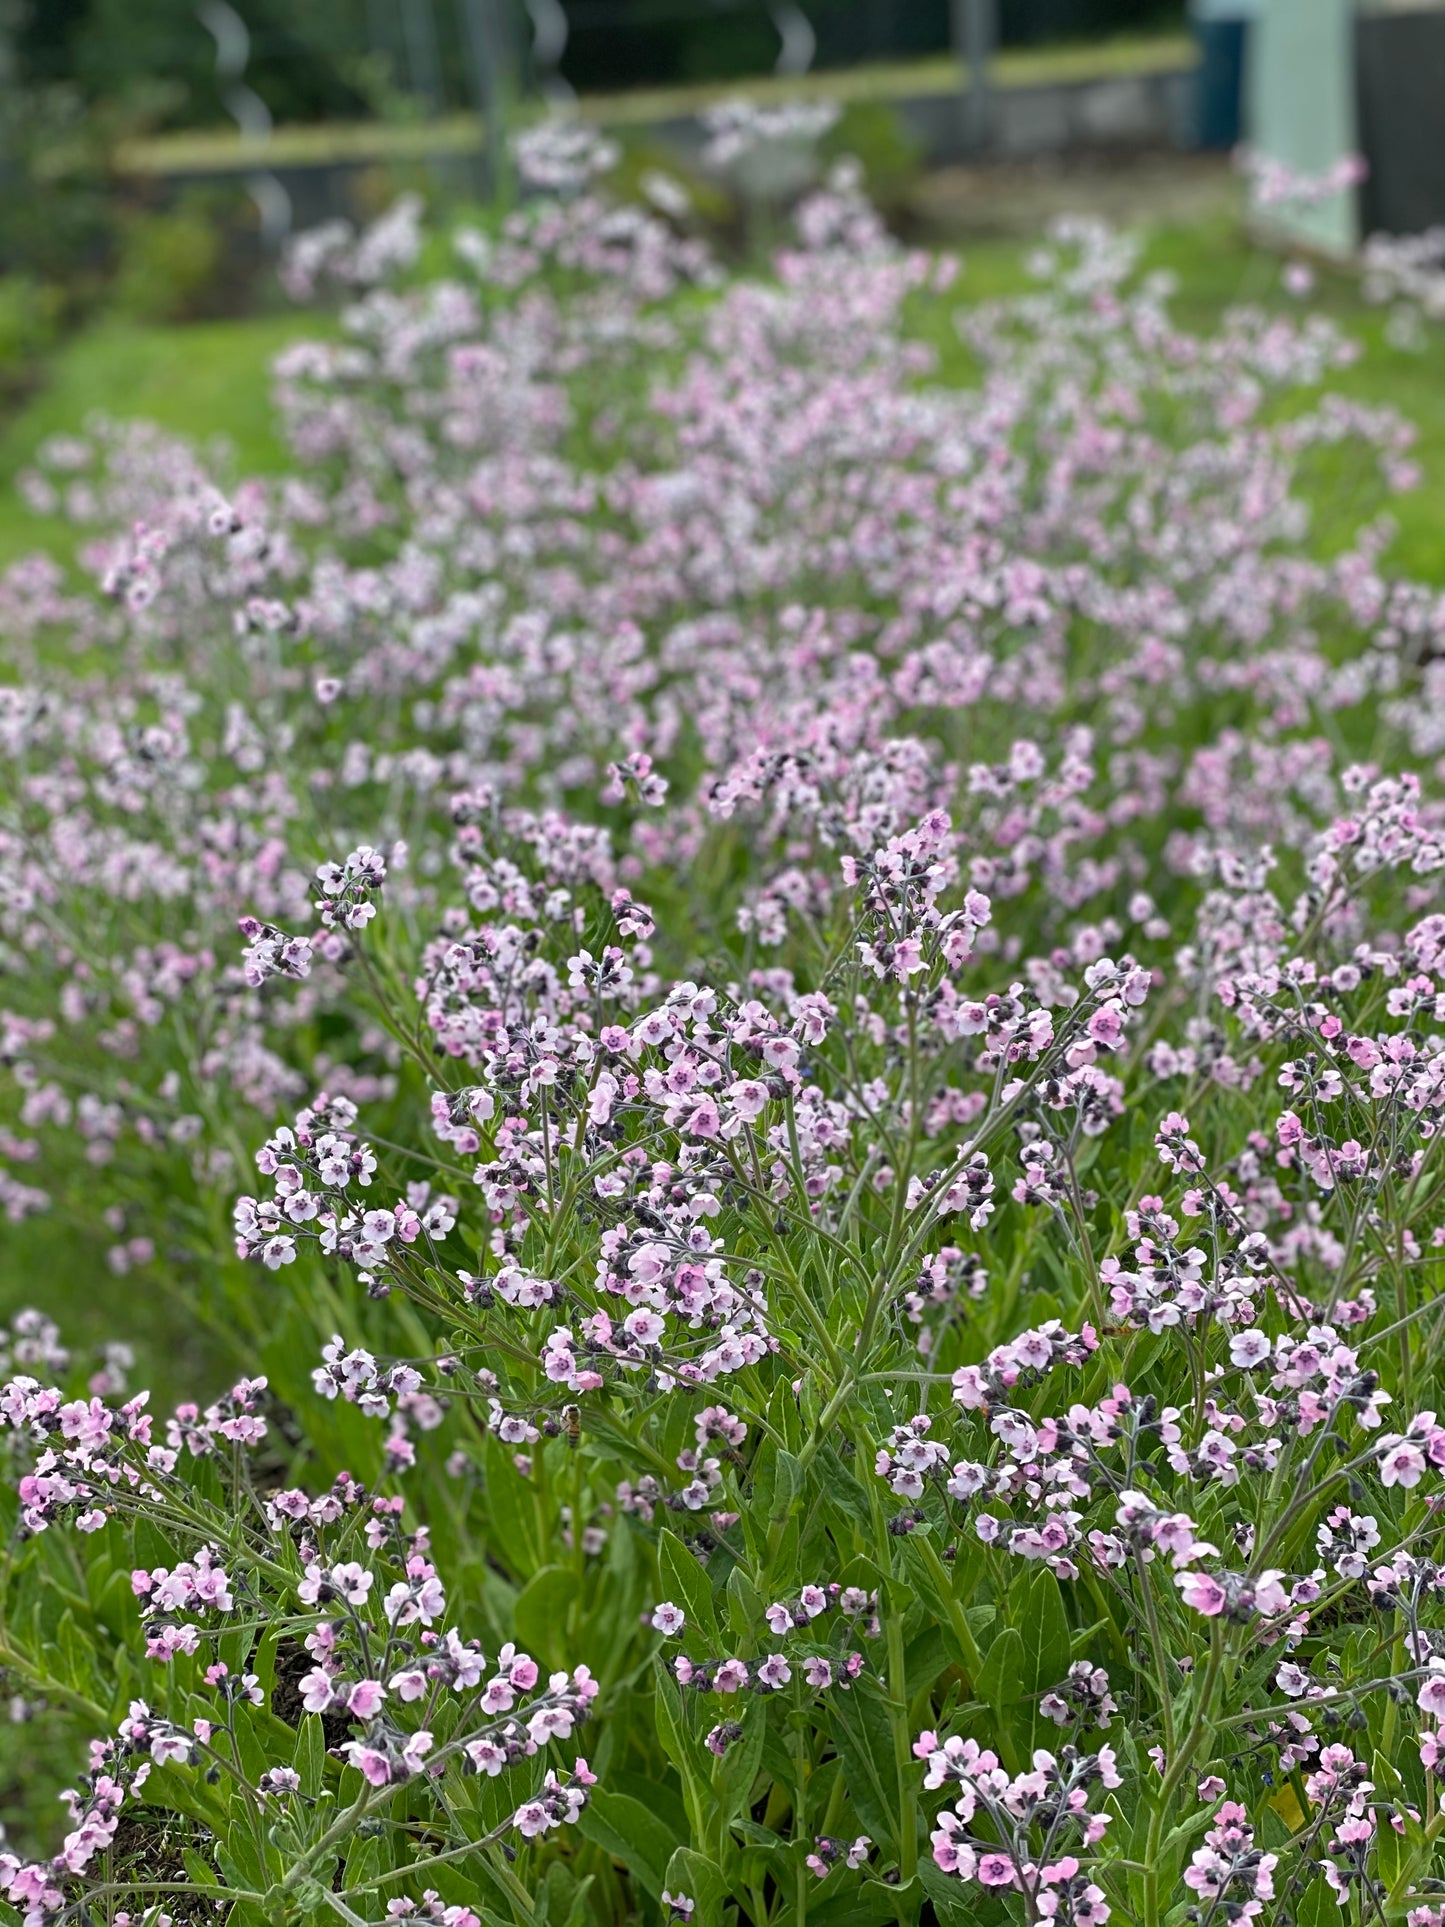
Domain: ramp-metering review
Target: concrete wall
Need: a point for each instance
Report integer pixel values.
(1122, 111)
(1148, 109)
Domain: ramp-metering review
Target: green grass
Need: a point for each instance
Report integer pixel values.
(211, 380)
(205, 380)
(1216, 267)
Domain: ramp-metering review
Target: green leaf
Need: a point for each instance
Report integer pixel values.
(1318, 1907)
(1001, 1679)
(745, 1608)
(1038, 1608)
(785, 1417)
(200, 1869)
(694, 1874)
(949, 1897)
(613, 1628)
(1027, 1657)
(921, 1579)
(76, 1652)
(632, 1834)
(655, 1791)
(867, 1907)
(149, 1546)
(363, 1862)
(541, 1613)
(1273, 1833)
(254, 1756)
(863, 1737)
(239, 1859)
(734, 1774)
(309, 1897)
(685, 1583)
(562, 1898)
(686, 1753)
(512, 1515)
(671, 1726)
(787, 1485)
(490, 1799)
(309, 1756)
(1178, 1837)
(1080, 1641)
(758, 1836)
(927, 1656)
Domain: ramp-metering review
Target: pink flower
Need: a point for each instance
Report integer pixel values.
(317, 1691)
(365, 1698)
(374, 1767)
(1270, 1596)
(996, 1870)
(1105, 1027)
(1202, 1592)
(1402, 1463)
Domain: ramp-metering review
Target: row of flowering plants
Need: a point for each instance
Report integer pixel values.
(772, 1002)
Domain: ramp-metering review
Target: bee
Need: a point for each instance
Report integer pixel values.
(572, 1423)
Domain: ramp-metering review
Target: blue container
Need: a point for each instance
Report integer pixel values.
(1219, 84)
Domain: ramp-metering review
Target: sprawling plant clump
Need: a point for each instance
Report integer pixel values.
(791, 1019)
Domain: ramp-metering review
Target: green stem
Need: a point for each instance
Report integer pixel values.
(1174, 1772)
(957, 1617)
(897, 1701)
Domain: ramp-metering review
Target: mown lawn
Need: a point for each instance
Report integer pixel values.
(205, 380)
(1216, 268)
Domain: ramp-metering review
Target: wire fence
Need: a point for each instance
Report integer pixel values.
(317, 57)
(388, 80)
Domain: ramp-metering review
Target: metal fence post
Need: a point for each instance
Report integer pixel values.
(975, 35)
(488, 41)
(549, 42)
(423, 59)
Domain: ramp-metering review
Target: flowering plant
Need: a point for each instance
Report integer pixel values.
(788, 1018)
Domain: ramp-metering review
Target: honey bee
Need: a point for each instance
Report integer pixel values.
(572, 1423)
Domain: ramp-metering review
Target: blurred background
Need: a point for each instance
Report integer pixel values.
(154, 154)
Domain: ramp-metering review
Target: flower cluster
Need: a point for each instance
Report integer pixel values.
(1044, 1811)
(772, 875)
(352, 1595)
